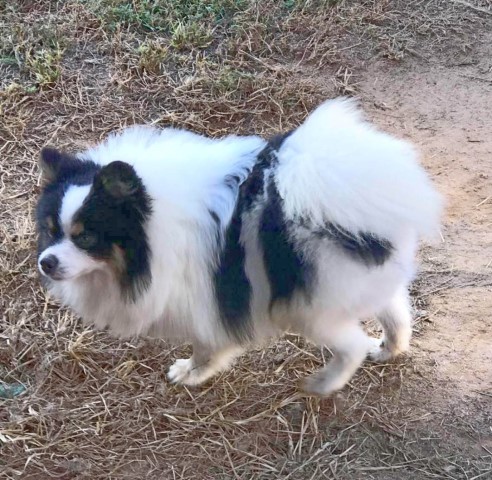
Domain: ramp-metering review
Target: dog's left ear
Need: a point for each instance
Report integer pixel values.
(50, 161)
(55, 164)
(119, 180)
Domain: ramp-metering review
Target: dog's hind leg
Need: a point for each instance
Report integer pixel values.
(396, 321)
(349, 344)
(203, 364)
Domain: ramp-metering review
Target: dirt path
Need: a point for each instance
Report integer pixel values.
(446, 109)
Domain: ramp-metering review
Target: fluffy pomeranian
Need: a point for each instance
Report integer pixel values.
(227, 242)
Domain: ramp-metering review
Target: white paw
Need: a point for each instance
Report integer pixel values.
(182, 371)
(314, 386)
(323, 383)
(378, 353)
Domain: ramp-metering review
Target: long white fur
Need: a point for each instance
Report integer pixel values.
(334, 168)
(184, 174)
(338, 168)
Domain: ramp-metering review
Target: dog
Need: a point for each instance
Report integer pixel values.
(227, 242)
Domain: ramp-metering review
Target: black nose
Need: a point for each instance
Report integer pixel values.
(49, 264)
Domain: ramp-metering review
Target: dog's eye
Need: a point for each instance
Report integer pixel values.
(85, 240)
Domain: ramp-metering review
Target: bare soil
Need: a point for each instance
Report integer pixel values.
(445, 108)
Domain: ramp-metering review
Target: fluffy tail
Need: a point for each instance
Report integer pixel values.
(338, 168)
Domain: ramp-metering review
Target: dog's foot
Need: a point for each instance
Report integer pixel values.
(314, 386)
(321, 384)
(184, 372)
(378, 352)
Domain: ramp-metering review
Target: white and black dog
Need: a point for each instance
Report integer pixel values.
(227, 242)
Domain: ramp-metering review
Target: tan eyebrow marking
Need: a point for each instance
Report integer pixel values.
(76, 229)
(50, 223)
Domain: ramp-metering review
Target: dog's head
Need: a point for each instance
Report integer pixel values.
(92, 218)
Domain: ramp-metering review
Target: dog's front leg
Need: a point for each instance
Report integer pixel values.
(203, 364)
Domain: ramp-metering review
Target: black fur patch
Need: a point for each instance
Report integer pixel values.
(287, 270)
(366, 248)
(232, 287)
(69, 171)
(215, 218)
(266, 158)
(113, 218)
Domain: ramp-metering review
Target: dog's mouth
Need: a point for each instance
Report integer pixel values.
(54, 277)
(63, 275)
(58, 277)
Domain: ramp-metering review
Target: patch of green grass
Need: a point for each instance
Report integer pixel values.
(191, 34)
(185, 10)
(141, 15)
(8, 60)
(152, 55)
(162, 15)
(36, 49)
(309, 5)
(230, 80)
(44, 65)
(15, 89)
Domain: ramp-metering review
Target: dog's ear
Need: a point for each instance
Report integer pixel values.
(50, 161)
(54, 164)
(119, 180)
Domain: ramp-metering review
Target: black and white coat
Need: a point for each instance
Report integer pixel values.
(226, 242)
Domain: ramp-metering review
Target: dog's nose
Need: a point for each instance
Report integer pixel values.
(49, 264)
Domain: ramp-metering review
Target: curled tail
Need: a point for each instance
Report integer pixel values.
(338, 168)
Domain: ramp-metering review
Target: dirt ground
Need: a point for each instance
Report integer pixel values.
(85, 406)
(445, 108)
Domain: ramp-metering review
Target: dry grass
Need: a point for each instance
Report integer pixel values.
(96, 408)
